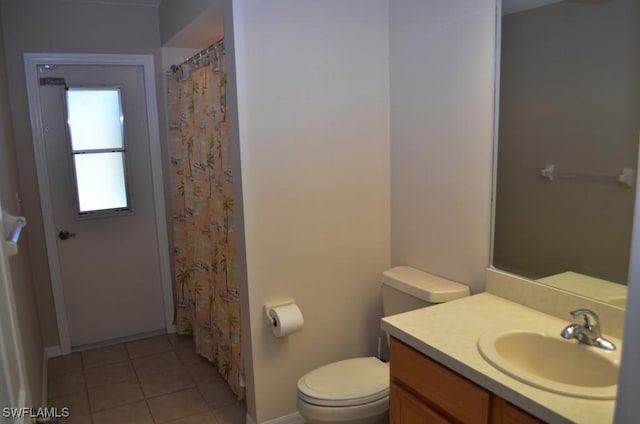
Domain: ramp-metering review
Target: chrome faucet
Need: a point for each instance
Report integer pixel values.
(588, 332)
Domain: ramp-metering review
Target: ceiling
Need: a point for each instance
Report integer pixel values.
(206, 28)
(513, 6)
(199, 33)
(508, 6)
(154, 3)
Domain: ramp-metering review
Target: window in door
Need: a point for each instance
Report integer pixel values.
(96, 133)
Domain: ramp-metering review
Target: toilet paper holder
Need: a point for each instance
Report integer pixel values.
(268, 307)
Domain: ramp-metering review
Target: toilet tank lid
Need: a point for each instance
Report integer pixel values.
(423, 285)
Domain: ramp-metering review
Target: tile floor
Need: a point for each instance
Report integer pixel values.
(151, 381)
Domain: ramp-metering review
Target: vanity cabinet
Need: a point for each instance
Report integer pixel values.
(424, 391)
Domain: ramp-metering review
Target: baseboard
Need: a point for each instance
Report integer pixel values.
(118, 340)
(294, 418)
(45, 378)
(49, 352)
(52, 351)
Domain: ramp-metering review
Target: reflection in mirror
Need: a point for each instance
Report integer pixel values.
(568, 134)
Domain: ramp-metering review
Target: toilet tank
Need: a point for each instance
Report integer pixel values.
(405, 289)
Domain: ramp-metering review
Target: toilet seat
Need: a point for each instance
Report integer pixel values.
(350, 382)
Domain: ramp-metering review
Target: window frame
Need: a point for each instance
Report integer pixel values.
(98, 213)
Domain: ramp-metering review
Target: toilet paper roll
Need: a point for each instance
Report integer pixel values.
(287, 319)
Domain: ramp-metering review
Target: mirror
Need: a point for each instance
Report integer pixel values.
(567, 148)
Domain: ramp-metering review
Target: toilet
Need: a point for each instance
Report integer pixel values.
(356, 391)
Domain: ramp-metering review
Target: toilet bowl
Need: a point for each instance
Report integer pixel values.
(350, 391)
(356, 391)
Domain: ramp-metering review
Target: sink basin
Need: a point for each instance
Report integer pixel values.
(552, 363)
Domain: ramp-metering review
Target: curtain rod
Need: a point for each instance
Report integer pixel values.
(202, 52)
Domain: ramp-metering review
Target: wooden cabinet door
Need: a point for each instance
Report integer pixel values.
(459, 398)
(407, 409)
(502, 412)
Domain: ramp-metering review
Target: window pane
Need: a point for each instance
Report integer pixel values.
(100, 179)
(95, 119)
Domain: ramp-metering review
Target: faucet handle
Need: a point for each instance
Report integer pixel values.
(591, 320)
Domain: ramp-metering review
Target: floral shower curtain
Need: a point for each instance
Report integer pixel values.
(207, 296)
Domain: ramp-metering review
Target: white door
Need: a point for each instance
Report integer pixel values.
(13, 388)
(96, 138)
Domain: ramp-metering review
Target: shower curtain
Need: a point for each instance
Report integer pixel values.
(206, 284)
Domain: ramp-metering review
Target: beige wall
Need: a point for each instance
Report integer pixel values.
(313, 102)
(570, 95)
(442, 76)
(20, 265)
(55, 26)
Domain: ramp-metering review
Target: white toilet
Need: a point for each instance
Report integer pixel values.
(356, 391)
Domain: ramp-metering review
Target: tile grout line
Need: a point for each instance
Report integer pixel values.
(210, 407)
(197, 387)
(136, 378)
(52, 377)
(135, 372)
(86, 386)
(182, 360)
(146, 398)
(183, 365)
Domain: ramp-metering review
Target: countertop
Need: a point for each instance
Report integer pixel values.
(448, 333)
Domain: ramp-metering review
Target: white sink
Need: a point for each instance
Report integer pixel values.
(552, 363)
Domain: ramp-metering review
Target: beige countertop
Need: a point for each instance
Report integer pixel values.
(448, 333)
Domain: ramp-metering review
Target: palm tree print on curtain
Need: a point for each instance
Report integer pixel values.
(207, 296)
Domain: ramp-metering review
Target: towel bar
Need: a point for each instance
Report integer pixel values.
(13, 226)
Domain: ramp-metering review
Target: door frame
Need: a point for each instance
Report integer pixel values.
(10, 337)
(31, 61)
